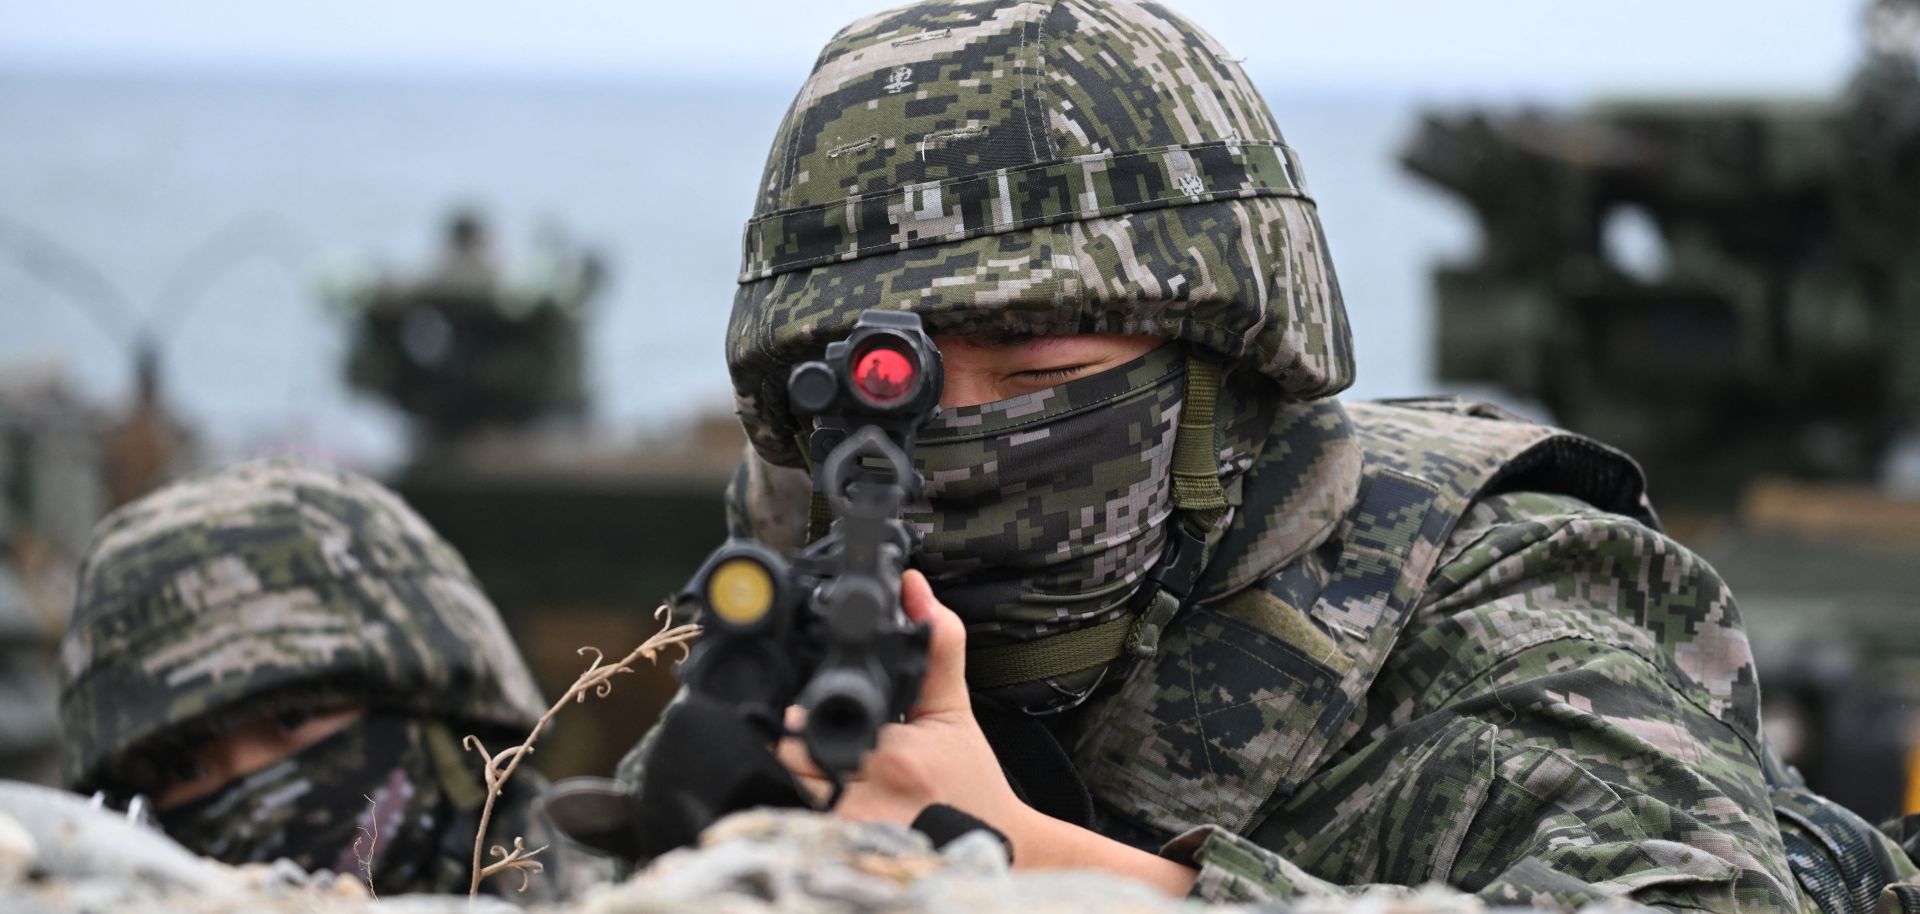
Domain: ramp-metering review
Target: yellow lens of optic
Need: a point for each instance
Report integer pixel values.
(740, 591)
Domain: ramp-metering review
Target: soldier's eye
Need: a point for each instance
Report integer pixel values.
(1051, 375)
(183, 770)
(292, 719)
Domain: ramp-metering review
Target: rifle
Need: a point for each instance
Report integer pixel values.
(823, 630)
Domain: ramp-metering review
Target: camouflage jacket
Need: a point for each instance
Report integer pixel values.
(1494, 672)
(1459, 650)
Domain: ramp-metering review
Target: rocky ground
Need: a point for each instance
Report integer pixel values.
(59, 856)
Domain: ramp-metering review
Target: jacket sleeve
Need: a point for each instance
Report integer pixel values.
(1570, 716)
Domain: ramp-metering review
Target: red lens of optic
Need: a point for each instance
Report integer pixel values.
(883, 375)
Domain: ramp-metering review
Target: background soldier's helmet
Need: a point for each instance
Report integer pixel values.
(1077, 166)
(278, 580)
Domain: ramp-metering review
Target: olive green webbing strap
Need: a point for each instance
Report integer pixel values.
(462, 786)
(1196, 462)
(819, 513)
(1201, 503)
(1045, 658)
(819, 517)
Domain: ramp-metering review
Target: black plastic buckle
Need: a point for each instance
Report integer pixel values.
(1168, 585)
(1179, 563)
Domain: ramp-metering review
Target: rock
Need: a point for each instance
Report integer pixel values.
(978, 854)
(18, 850)
(60, 856)
(74, 841)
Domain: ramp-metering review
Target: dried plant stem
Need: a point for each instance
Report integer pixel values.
(373, 844)
(518, 859)
(597, 680)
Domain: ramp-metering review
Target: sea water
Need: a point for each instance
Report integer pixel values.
(213, 211)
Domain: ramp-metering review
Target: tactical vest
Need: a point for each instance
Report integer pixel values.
(1292, 657)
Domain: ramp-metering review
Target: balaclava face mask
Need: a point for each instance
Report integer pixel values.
(366, 798)
(1044, 512)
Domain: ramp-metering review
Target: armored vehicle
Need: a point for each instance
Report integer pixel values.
(576, 536)
(1773, 283)
(1728, 290)
(465, 347)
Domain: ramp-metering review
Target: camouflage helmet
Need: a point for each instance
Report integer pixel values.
(1032, 168)
(268, 581)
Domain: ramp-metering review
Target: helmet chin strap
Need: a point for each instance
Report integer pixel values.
(1197, 494)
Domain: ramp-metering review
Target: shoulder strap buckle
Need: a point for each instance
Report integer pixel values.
(1168, 584)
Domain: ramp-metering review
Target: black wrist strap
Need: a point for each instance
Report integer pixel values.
(942, 824)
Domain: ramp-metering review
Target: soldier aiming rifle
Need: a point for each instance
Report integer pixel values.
(1199, 622)
(824, 633)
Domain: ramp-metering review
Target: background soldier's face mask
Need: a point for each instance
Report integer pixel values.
(1044, 512)
(373, 783)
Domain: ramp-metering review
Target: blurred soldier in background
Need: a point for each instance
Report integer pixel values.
(52, 491)
(282, 659)
(1222, 632)
(147, 446)
(467, 263)
(465, 348)
(29, 732)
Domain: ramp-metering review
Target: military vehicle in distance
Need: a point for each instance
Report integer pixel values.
(1786, 304)
(464, 347)
(1729, 291)
(576, 537)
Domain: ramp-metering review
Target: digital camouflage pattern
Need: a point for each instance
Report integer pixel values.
(1032, 168)
(392, 799)
(271, 578)
(1061, 495)
(1042, 512)
(1522, 695)
(1432, 643)
(385, 765)
(281, 585)
(1345, 601)
(1570, 714)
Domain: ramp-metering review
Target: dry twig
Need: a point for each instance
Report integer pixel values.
(519, 859)
(373, 843)
(597, 679)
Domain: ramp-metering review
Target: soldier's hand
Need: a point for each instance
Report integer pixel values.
(939, 755)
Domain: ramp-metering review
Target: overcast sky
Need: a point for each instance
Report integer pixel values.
(1417, 46)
